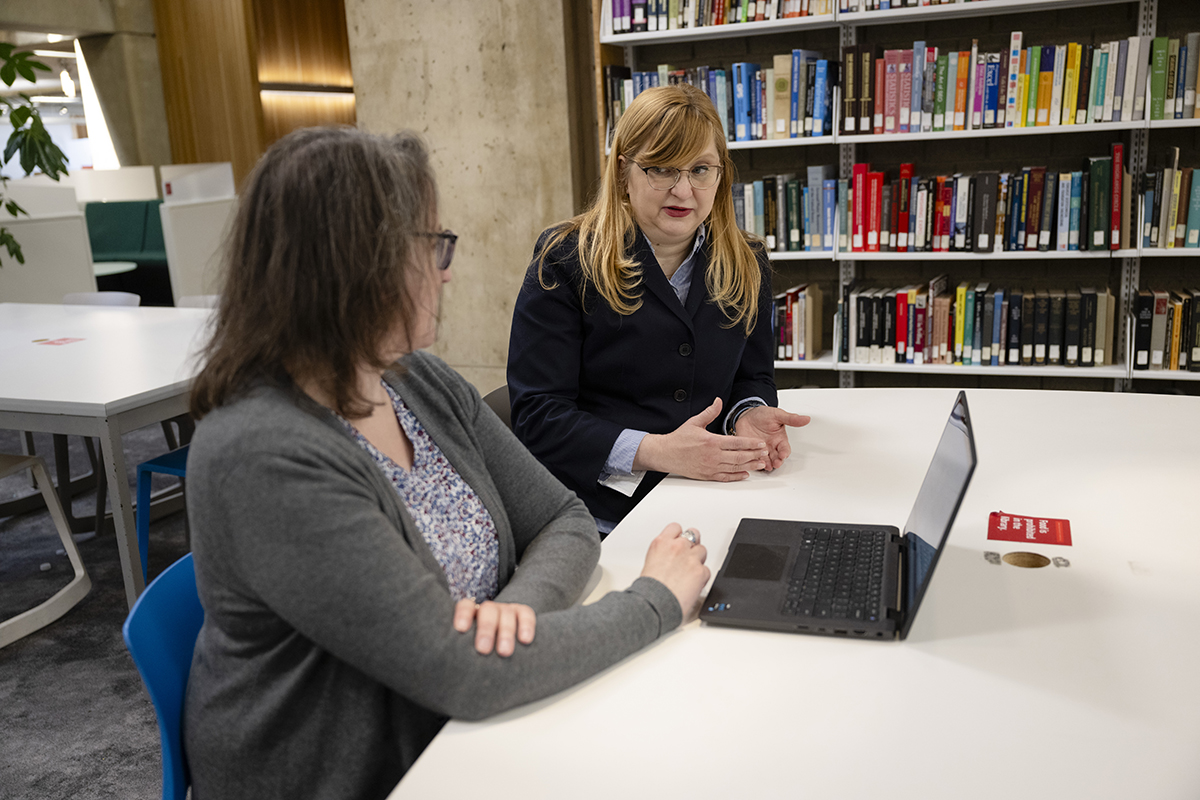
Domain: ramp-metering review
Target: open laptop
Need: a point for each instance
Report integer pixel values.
(859, 581)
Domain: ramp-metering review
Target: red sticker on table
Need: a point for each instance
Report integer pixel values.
(58, 341)
(1034, 530)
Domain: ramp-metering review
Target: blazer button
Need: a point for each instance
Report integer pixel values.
(685, 349)
(680, 395)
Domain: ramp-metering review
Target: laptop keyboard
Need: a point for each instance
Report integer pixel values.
(838, 575)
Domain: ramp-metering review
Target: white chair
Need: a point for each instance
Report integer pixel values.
(101, 299)
(43, 614)
(58, 259)
(192, 234)
(198, 301)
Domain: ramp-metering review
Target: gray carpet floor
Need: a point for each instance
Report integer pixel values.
(75, 719)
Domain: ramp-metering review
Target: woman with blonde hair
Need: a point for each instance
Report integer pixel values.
(641, 341)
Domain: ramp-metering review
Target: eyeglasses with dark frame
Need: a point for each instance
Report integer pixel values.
(701, 176)
(446, 240)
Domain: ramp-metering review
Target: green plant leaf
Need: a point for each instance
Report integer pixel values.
(14, 209)
(15, 141)
(18, 117)
(25, 71)
(6, 50)
(8, 73)
(11, 244)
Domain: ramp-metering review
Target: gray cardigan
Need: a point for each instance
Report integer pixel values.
(327, 660)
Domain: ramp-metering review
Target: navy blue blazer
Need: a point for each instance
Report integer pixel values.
(579, 373)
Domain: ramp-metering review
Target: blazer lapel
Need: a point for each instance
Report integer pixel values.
(656, 281)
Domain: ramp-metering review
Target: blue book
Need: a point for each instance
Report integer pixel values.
(760, 222)
(991, 93)
(820, 101)
(918, 70)
(1148, 205)
(829, 187)
(1076, 209)
(716, 77)
(997, 319)
(1192, 237)
(1014, 211)
(758, 113)
(796, 116)
(1180, 80)
(1101, 85)
(954, 228)
(742, 87)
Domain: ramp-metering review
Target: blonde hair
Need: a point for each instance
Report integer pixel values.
(664, 126)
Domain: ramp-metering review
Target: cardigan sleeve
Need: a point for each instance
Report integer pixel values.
(328, 561)
(755, 376)
(544, 367)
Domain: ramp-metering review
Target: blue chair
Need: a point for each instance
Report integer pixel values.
(172, 463)
(160, 633)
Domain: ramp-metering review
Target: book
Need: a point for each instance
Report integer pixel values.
(939, 102)
(891, 90)
(1063, 213)
(973, 84)
(1158, 329)
(1072, 323)
(1158, 76)
(1033, 72)
(850, 86)
(781, 118)
(1087, 326)
(1045, 84)
(986, 184)
(1140, 98)
(1015, 301)
(916, 101)
(858, 215)
(1033, 213)
(904, 89)
(1116, 178)
(1045, 226)
(1013, 79)
(1041, 326)
(1027, 322)
(1143, 311)
(1054, 333)
(1185, 193)
(962, 63)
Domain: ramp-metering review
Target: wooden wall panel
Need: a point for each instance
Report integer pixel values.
(210, 81)
(303, 41)
(283, 113)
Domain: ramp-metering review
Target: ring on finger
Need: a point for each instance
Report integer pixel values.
(692, 535)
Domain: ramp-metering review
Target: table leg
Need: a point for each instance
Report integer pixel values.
(122, 511)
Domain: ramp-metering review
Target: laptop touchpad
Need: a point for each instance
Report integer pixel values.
(757, 562)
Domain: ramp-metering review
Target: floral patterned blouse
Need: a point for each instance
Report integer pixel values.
(451, 517)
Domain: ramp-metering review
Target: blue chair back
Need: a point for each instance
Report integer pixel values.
(160, 633)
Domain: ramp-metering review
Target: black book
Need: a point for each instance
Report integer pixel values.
(1049, 207)
(810, 97)
(638, 16)
(1011, 233)
(984, 210)
(875, 312)
(977, 325)
(850, 65)
(844, 333)
(969, 241)
(1027, 317)
(888, 345)
(1054, 341)
(1087, 326)
(931, 188)
(1015, 305)
(863, 328)
(1085, 77)
(1041, 326)
(887, 236)
(769, 210)
(1072, 316)
(1193, 350)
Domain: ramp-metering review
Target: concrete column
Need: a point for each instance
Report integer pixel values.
(125, 72)
(486, 84)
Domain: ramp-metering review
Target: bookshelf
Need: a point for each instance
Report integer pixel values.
(950, 27)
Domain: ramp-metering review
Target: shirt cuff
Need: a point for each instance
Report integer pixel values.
(619, 474)
(741, 407)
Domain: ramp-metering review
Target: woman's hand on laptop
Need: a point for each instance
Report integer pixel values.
(678, 564)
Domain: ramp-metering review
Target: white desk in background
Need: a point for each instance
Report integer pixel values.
(126, 368)
(1060, 682)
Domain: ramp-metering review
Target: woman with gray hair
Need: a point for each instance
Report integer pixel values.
(357, 511)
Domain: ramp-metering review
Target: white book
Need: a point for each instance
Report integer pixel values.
(1110, 84)
(1060, 72)
(1014, 76)
(628, 91)
(1131, 70)
(769, 111)
(972, 120)
(1143, 74)
(962, 186)
(1064, 211)
(919, 233)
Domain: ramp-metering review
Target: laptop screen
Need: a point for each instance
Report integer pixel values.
(937, 503)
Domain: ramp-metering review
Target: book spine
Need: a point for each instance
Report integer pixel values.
(1014, 74)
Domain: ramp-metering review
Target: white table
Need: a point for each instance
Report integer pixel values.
(1075, 682)
(130, 367)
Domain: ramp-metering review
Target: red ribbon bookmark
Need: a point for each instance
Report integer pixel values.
(1032, 530)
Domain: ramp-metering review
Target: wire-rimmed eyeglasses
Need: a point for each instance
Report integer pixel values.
(446, 240)
(701, 176)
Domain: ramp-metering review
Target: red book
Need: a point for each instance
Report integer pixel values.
(1118, 171)
(901, 326)
(858, 224)
(891, 90)
(880, 83)
(893, 218)
(905, 88)
(874, 210)
(919, 330)
(903, 243)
